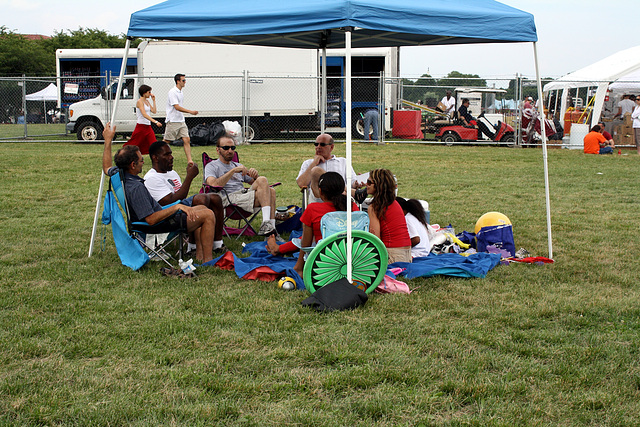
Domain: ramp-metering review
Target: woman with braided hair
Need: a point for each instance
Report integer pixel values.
(386, 218)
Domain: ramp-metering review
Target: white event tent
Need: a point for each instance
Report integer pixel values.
(614, 68)
(49, 93)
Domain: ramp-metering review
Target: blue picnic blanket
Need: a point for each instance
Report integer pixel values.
(476, 265)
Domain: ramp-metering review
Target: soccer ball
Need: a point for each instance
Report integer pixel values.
(287, 283)
(491, 219)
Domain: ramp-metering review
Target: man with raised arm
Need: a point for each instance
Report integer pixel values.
(142, 207)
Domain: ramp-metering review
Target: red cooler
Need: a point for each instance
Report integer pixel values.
(406, 124)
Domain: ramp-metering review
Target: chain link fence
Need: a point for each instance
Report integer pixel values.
(28, 109)
(284, 108)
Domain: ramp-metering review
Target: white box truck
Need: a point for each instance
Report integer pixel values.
(278, 89)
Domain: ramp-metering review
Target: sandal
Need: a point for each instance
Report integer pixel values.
(175, 272)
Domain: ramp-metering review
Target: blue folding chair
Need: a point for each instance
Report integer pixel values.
(139, 229)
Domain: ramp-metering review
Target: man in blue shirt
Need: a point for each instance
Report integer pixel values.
(142, 207)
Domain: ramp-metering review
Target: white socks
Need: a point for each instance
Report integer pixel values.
(266, 213)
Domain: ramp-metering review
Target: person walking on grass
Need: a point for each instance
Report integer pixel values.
(176, 127)
(143, 135)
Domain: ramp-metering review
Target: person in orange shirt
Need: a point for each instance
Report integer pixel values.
(593, 140)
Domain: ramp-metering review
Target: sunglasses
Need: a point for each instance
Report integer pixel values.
(321, 144)
(369, 182)
(227, 147)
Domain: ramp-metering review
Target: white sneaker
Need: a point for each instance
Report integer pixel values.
(266, 229)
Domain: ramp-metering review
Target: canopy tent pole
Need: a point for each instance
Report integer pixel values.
(541, 117)
(323, 116)
(347, 101)
(123, 67)
(598, 102)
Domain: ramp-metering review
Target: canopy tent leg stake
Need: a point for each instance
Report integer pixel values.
(113, 115)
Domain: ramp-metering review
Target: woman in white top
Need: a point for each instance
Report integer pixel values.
(636, 123)
(417, 226)
(143, 135)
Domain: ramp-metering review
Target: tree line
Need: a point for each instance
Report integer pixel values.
(37, 57)
(430, 90)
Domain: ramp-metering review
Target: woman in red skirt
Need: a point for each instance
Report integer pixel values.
(143, 135)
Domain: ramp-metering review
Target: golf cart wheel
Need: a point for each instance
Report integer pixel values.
(327, 262)
(509, 139)
(450, 137)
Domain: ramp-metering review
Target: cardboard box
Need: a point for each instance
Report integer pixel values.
(623, 135)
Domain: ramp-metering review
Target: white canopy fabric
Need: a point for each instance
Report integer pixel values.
(627, 84)
(49, 93)
(599, 74)
(608, 69)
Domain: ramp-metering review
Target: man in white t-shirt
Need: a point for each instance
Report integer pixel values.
(322, 162)
(449, 103)
(165, 186)
(175, 126)
(626, 105)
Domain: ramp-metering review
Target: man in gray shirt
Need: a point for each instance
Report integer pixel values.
(231, 175)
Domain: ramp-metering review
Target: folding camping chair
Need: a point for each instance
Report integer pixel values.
(140, 229)
(232, 212)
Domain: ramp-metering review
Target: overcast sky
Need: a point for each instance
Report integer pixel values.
(571, 34)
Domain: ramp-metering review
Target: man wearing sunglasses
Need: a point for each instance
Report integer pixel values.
(225, 172)
(312, 169)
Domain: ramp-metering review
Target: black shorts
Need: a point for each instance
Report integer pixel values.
(176, 222)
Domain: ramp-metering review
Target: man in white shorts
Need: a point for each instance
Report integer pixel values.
(230, 175)
(175, 124)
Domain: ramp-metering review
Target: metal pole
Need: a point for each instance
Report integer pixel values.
(544, 151)
(382, 108)
(123, 67)
(323, 114)
(245, 102)
(347, 96)
(518, 121)
(24, 104)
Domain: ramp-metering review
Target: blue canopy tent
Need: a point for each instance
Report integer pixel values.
(321, 24)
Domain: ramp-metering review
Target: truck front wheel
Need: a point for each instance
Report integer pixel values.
(89, 131)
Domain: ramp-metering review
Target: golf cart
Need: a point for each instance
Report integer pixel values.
(500, 132)
(491, 126)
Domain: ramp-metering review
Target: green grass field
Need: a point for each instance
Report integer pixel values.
(40, 130)
(86, 341)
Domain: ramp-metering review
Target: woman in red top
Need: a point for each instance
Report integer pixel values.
(332, 190)
(386, 219)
